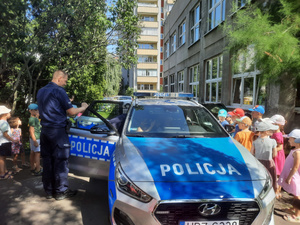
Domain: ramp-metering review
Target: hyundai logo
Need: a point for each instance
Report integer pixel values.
(209, 209)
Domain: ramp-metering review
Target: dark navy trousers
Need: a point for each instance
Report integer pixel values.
(55, 151)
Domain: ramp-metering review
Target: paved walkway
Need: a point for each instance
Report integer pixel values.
(23, 202)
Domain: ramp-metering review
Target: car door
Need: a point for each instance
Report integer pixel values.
(93, 138)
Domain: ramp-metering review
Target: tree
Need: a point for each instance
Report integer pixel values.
(273, 30)
(40, 36)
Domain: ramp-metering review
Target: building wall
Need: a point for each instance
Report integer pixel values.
(211, 44)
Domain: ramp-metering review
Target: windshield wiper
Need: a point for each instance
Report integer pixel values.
(187, 136)
(135, 135)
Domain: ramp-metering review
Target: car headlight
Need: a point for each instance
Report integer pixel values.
(126, 186)
(267, 187)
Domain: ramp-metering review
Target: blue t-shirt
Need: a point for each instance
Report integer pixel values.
(237, 129)
(53, 103)
(224, 123)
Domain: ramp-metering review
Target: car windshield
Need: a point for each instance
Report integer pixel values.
(172, 121)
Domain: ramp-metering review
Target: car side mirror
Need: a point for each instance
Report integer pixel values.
(229, 128)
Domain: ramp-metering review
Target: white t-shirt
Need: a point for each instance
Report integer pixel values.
(4, 126)
(264, 148)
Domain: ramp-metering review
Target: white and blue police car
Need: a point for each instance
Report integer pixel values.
(173, 164)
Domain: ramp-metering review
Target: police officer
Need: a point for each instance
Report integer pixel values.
(54, 106)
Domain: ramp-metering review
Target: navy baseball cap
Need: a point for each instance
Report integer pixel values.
(258, 108)
(33, 106)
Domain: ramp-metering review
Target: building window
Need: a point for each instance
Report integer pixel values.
(149, 31)
(213, 79)
(147, 59)
(148, 18)
(181, 34)
(162, 36)
(173, 43)
(180, 79)
(194, 80)
(145, 87)
(246, 88)
(146, 46)
(167, 51)
(166, 86)
(172, 83)
(216, 13)
(195, 19)
(146, 73)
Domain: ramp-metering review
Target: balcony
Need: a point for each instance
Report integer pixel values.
(147, 10)
(148, 38)
(147, 66)
(149, 24)
(147, 79)
(147, 52)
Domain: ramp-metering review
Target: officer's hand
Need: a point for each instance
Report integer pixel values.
(84, 105)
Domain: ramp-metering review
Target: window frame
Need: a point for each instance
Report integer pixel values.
(212, 10)
(172, 82)
(194, 83)
(167, 49)
(173, 43)
(210, 80)
(194, 24)
(181, 33)
(247, 69)
(180, 81)
(146, 71)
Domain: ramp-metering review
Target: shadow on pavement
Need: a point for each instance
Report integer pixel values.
(23, 202)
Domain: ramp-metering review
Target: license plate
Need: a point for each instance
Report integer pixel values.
(223, 222)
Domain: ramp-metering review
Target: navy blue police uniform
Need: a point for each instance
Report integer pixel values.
(53, 102)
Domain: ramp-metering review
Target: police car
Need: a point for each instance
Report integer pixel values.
(172, 164)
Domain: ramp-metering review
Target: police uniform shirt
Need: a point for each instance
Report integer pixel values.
(53, 103)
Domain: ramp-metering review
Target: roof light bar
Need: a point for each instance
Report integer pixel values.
(163, 95)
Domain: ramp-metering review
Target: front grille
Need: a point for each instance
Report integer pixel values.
(172, 213)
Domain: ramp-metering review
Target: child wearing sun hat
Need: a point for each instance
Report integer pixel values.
(245, 136)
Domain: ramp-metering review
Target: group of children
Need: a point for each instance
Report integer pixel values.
(264, 138)
(11, 142)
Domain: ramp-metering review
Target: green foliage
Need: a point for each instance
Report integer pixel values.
(113, 76)
(41, 36)
(129, 91)
(127, 25)
(274, 36)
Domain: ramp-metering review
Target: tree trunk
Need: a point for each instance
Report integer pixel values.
(281, 99)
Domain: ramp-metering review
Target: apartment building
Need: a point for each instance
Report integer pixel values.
(146, 76)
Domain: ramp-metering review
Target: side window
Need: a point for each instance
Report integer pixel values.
(108, 110)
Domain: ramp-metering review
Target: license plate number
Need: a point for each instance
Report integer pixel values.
(223, 222)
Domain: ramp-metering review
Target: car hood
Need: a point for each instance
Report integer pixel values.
(194, 159)
(189, 168)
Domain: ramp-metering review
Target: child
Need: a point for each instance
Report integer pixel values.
(34, 133)
(278, 137)
(236, 114)
(222, 115)
(289, 178)
(264, 148)
(257, 113)
(14, 123)
(5, 142)
(245, 136)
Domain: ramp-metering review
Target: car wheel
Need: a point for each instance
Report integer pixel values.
(127, 106)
